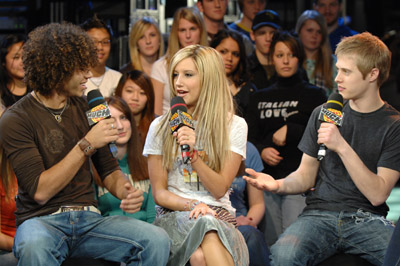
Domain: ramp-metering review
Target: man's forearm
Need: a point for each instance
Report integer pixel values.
(302, 179)
(54, 179)
(375, 187)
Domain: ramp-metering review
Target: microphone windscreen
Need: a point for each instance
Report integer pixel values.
(177, 103)
(335, 101)
(94, 98)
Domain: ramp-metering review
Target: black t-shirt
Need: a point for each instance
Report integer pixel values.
(34, 141)
(9, 98)
(375, 137)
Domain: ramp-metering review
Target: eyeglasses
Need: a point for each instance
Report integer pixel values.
(103, 42)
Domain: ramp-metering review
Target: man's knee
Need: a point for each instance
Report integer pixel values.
(286, 251)
(162, 239)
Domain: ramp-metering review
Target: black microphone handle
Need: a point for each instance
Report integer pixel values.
(185, 149)
(321, 152)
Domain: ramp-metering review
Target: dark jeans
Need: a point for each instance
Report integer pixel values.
(7, 258)
(392, 257)
(317, 235)
(258, 249)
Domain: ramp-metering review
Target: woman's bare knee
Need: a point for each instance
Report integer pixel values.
(211, 236)
(197, 258)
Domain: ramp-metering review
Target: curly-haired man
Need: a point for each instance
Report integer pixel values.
(49, 143)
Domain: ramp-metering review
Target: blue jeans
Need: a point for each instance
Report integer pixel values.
(50, 239)
(392, 257)
(317, 235)
(258, 249)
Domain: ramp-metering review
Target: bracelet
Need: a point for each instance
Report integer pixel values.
(86, 147)
(193, 204)
(186, 205)
(193, 155)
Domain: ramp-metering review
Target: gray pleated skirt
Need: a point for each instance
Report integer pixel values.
(187, 234)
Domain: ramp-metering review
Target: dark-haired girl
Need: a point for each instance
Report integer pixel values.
(12, 85)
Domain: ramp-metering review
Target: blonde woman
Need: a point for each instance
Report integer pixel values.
(320, 63)
(187, 28)
(193, 199)
(145, 46)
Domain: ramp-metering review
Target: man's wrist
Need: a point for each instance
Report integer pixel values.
(86, 147)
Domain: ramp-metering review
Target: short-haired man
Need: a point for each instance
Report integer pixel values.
(331, 9)
(104, 78)
(213, 15)
(249, 9)
(346, 208)
(48, 141)
(261, 69)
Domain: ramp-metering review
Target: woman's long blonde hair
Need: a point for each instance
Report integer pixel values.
(192, 15)
(213, 111)
(323, 61)
(136, 33)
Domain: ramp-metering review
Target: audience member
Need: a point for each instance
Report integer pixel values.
(2, 107)
(346, 208)
(12, 85)
(47, 139)
(145, 46)
(132, 163)
(8, 191)
(249, 204)
(136, 89)
(193, 198)
(262, 72)
(104, 78)
(319, 63)
(187, 28)
(277, 117)
(249, 9)
(230, 45)
(331, 9)
(213, 14)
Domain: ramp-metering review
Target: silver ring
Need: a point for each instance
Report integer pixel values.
(112, 126)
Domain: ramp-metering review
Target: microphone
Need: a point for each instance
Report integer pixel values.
(330, 113)
(180, 118)
(98, 111)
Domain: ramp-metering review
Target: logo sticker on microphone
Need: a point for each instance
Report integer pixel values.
(332, 116)
(98, 113)
(179, 119)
